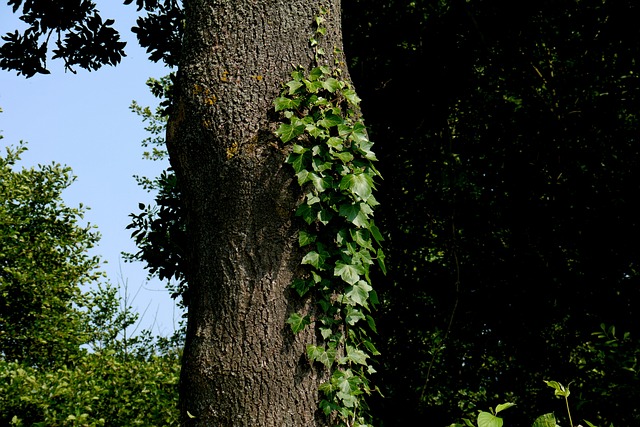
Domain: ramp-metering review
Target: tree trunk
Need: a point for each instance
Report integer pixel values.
(242, 365)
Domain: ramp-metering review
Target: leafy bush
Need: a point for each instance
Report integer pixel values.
(101, 389)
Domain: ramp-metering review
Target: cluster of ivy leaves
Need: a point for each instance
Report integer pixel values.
(333, 162)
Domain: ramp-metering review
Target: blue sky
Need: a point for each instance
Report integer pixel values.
(83, 121)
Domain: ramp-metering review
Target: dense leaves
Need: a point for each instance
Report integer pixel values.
(81, 37)
(332, 159)
(100, 389)
(511, 174)
(43, 264)
(67, 355)
(160, 32)
(159, 229)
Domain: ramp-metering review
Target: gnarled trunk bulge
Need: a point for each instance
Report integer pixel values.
(242, 365)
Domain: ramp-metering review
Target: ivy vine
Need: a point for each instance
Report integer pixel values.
(332, 159)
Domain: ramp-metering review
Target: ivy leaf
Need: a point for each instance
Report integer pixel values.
(348, 399)
(297, 74)
(355, 214)
(359, 184)
(375, 232)
(314, 259)
(297, 161)
(349, 273)
(284, 103)
(359, 293)
(344, 130)
(324, 216)
(298, 322)
(359, 134)
(287, 132)
(301, 286)
(314, 131)
(345, 156)
(356, 355)
(317, 73)
(293, 87)
(303, 176)
(325, 332)
(503, 406)
(351, 96)
(307, 213)
(313, 85)
(319, 354)
(331, 84)
(353, 316)
(372, 349)
(371, 322)
(305, 238)
(335, 143)
(330, 120)
(362, 237)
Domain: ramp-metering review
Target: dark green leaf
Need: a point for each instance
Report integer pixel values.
(298, 322)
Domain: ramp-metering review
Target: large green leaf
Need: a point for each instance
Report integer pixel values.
(486, 419)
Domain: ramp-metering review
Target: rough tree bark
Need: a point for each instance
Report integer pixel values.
(242, 365)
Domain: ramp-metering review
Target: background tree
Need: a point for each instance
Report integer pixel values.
(43, 264)
(67, 356)
(509, 199)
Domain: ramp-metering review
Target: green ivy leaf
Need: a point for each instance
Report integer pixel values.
(319, 354)
(345, 156)
(308, 213)
(353, 316)
(349, 273)
(372, 349)
(287, 132)
(284, 103)
(294, 86)
(355, 214)
(501, 407)
(331, 85)
(359, 293)
(298, 322)
(335, 143)
(313, 86)
(356, 355)
(560, 390)
(375, 232)
(314, 259)
(348, 399)
(301, 286)
(330, 120)
(297, 161)
(359, 184)
(359, 134)
(351, 96)
(305, 238)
